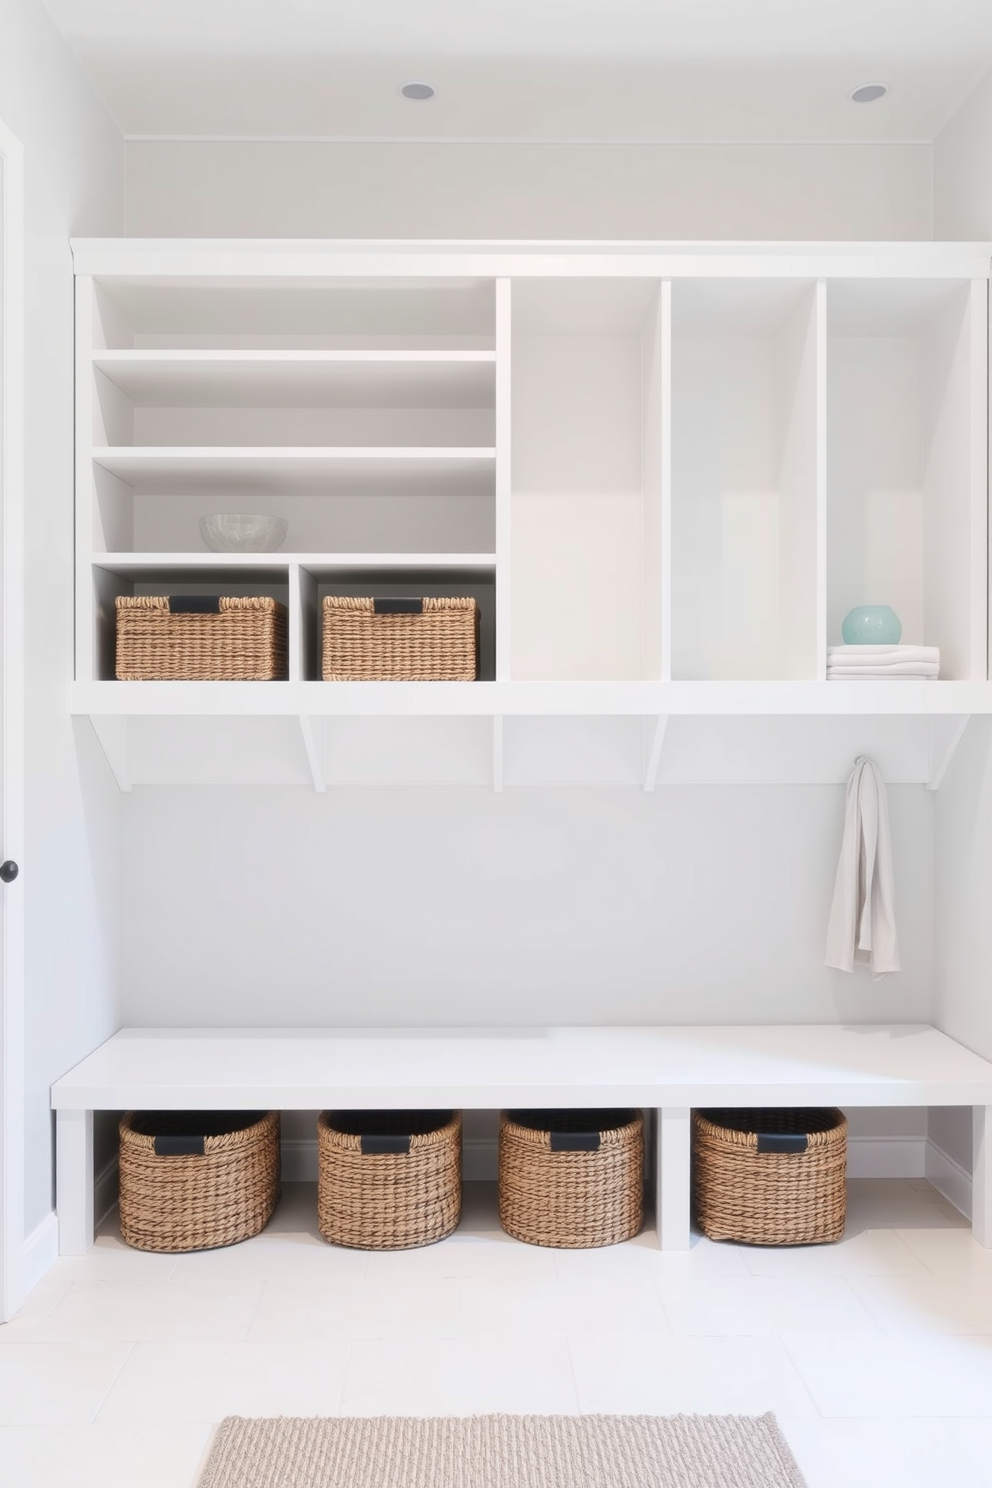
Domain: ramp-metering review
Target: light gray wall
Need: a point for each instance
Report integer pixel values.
(962, 171)
(74, 165)
(530, 191)
(427, 906)
(543, 905)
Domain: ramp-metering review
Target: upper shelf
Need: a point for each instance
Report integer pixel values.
(301, 469)
(263, 261)
(277, 379)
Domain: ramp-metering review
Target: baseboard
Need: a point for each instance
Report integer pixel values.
(479, 1159)
(867, 1157)
(105, 1190)
(886, 1157)
(299, 1159)
(949, 1178)
(41, 1250)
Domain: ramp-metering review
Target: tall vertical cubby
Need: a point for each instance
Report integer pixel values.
(907, 421)
(586, 484)
(746, 478)
(665, 472)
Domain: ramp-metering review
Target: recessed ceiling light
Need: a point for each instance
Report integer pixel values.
(419, 91)
(869, 92)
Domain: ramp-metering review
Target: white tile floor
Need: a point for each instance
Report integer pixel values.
(875, 1353)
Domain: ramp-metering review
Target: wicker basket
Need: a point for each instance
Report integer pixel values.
(770, 1177)
(193, 1180)
(571, 1179)
(388, 1180)
(201, 640)
(400, 640)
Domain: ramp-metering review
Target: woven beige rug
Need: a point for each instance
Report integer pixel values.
(501, 1452)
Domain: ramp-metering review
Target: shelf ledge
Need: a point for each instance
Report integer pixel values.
(529, 699)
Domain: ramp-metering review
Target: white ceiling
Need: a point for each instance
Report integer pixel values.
(532, 69)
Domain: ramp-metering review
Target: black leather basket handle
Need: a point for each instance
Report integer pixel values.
(397, 606)
(174, 1145)
(782, 1141)
(380, 1142)
(574, 1141)
(194, 604)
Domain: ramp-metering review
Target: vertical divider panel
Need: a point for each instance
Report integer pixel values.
(503, 479)
(954, 481)
(979, 421)
(798, 396)
(821, 480)
(296, 668)
(665, 537)
(86, 670)
(304, 626)
(656, 491)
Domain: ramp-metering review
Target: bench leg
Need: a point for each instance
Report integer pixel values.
(672, 1186)
(981, 1181)
(74, 1181)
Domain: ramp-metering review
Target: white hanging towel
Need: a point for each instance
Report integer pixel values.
(862, 930)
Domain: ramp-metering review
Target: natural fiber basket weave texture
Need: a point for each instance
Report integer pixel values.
(244, 641)
(440, 643)
(571, 1199)
(388, 1199)
(197, 1200)
(744, 1189)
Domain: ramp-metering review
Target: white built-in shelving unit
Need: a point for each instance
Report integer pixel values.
(665, 472)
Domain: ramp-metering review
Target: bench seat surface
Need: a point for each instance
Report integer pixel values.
(303, 1069)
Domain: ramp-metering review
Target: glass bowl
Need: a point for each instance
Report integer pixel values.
(243, 534)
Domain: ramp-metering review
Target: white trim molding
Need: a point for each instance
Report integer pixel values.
(105, 1190)
(949, 1178)
(886, 1157)
(41, 1251)
(12, 1247)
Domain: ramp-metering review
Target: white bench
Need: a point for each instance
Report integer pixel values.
(670, 1070)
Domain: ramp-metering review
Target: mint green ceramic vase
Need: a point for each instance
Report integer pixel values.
(871, 625)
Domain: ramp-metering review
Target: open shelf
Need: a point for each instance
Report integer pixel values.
(538, 699)
(142, 311)
(337, 563)
(745, 478)
(907, 461)
(586, 482)
(665, 472)
(319, 471)
(294, 379)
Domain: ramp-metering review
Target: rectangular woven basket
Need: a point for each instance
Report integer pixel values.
(199, 639)
(388, 1180)
(400, 640)
(571, 1180)
(193, 1180)
(770, 1177)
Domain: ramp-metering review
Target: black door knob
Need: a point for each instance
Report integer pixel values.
(9, 871)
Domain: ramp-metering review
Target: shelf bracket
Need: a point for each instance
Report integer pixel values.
(498, 753)
(654, 759)
(315, 754)
(112, 734)
(939, 769)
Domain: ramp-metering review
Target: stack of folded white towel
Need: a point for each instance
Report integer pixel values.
(909, 663)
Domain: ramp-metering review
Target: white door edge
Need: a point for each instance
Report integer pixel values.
(12, 725)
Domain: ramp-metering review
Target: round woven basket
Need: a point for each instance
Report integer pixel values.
(572, 1180)
(774, 1177)
(193, 1180)
(388, 1180)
